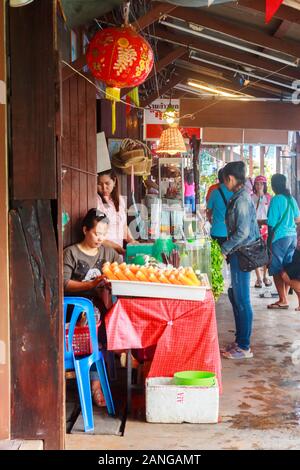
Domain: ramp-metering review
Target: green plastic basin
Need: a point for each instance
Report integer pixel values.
(195, 378)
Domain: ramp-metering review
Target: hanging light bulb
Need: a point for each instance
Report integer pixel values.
(170, 114)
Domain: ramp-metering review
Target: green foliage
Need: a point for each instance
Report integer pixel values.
(205, 183)
(217, 280)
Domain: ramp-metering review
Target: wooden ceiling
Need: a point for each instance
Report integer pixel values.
(218, 46)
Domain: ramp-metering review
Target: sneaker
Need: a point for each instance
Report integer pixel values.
(228, 347)
(238, 353)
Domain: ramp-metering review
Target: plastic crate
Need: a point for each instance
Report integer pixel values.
(81, 339)
(141, 249)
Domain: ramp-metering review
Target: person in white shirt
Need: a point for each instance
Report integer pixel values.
(114, 207)
(261, 199)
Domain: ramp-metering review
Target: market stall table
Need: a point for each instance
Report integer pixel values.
(184, 331)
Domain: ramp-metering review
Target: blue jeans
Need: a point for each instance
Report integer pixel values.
(190, 201)
(239, 296)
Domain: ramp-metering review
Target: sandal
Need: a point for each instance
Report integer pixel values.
(258, 285)
(277, 306)
(98, 397)
(267, 282)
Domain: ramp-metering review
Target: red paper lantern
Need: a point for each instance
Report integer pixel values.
(120, 57)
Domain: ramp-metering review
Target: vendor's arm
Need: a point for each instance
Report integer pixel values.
(118, 248)
(79, 286)
(242, 230)
(71, 285)
(128, 236)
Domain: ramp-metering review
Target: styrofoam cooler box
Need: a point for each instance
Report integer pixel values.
(170, 403)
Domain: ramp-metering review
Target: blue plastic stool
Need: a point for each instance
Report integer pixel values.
(82, 365)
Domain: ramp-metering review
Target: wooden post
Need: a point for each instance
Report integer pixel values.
(278, 160)
(37, 360)
(224, 155)
(195, 144)
(262, 159)
(242, 152)
(5, 393)
(231, 154)
(250, 161)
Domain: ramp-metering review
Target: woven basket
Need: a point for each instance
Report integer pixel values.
(133, 153)
(137, 153)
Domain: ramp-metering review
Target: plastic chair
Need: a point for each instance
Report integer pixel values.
(82, 365)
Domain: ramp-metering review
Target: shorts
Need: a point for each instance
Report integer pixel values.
(293, 269)
(282, 254)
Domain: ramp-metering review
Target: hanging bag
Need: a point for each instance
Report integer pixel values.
(258, 253)
(253, 256)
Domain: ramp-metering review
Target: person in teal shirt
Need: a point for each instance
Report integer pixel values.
(283, 215)
(216, 209)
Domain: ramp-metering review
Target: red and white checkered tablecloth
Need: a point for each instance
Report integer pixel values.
(185, 332)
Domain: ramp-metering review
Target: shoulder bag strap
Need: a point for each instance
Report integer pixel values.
(223, 196)
(289, 205)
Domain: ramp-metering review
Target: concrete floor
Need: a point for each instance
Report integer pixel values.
(260, 405)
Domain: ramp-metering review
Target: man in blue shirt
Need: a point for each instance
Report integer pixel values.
(216, 210)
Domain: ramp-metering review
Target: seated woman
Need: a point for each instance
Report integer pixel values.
(83, 271)
(291, 275)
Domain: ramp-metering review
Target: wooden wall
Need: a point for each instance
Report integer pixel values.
(33, 169)
(35, 295)
(236, 114)
(79, 157)
(4, 275)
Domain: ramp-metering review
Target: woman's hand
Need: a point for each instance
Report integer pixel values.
(96, 282)
(134, 242)
(118, 248)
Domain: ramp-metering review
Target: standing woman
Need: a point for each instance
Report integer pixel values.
(113, 205)
(242, 230)
(283, 216)
(261, 199)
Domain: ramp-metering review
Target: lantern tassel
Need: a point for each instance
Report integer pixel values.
(113, 94)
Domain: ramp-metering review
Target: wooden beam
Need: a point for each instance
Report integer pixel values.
(168, 86)
(282, 29)
(255, 37)
(162, 64)
(237, 114)
(167, 60)
(159, 10)
(283, 13)
(262, 150)
(223, 52)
